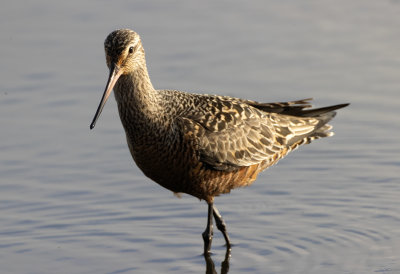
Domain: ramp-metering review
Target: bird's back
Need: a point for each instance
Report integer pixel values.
(224, 142)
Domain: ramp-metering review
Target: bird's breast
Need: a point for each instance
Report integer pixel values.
(163, 157)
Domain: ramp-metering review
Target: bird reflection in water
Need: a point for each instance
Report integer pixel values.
(210, 266)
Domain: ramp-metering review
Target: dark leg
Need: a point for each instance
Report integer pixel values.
(208, 233)
(221, 226)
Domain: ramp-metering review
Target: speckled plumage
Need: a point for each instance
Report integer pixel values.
(202, 145)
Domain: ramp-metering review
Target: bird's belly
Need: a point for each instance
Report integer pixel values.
(163, 165)
(181, 173)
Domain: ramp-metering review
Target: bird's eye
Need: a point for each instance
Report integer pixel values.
(131, 50)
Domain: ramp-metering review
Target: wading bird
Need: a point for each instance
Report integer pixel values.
(202, 145)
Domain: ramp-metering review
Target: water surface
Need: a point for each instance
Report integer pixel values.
(72, 200)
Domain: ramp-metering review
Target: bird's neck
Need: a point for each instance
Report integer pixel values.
(139, 104)
(135, 90)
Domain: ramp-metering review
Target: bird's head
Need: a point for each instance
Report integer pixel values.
(124, 54)
(124, 51)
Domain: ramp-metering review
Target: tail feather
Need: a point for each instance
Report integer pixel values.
(294, 108)
(321, 129)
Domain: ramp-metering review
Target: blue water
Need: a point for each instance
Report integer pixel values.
(72, 200)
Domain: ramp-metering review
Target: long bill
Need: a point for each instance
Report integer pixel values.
(115, 73)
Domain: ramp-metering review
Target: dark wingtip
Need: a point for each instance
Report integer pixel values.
(319, 111)
(342, 105)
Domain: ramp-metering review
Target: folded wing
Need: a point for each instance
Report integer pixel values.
(231, 134)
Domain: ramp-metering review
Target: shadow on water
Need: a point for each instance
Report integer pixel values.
(210, 266)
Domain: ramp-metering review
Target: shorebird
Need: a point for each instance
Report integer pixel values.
(202, 145)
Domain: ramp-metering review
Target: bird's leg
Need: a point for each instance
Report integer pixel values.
(221, 226)
(208, 233)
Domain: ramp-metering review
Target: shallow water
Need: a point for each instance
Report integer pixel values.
(72, 200)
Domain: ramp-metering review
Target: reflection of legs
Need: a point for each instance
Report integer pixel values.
(208, 233)
(225, 263)
(210, 266)
(221, 226)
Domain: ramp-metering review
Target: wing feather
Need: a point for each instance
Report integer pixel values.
(230, 133)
